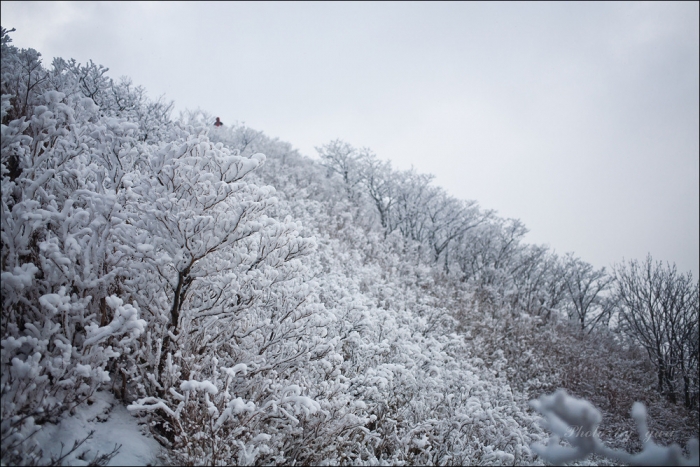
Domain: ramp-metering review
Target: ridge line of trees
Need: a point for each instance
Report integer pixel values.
(651, 304)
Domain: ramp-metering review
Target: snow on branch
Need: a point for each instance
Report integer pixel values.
(576, 421)
(125, 320)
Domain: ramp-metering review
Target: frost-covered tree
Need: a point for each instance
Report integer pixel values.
(539, 281)
(586, 288)
(378, 180)
(344, 160)
(658, 309)
(24, 79)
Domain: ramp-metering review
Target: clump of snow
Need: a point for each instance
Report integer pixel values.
(125, 320)
(206, 386)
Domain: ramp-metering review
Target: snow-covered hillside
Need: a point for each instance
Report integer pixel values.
(206, 295)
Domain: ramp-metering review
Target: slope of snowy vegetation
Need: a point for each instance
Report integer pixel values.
(254, 306)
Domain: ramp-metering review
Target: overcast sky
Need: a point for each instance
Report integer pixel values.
(580, 119)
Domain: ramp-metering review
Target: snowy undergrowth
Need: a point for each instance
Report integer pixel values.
(112, 427)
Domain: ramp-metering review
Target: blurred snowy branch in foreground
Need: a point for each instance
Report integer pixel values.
(576, 422)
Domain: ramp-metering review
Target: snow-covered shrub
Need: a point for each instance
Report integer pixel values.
(62, 324)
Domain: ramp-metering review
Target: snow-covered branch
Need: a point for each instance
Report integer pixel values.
(575, 422)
